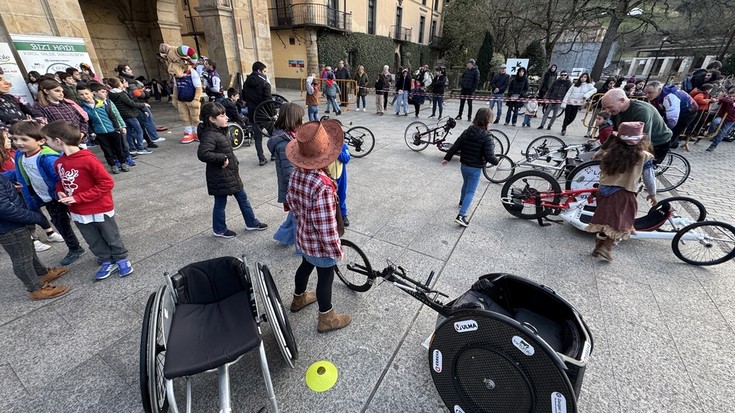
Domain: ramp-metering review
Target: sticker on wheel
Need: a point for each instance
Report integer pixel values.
(523, 346)
(465, 326)
(558, 403)
(437, 361)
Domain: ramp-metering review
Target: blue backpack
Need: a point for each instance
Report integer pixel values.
(686, 84)
(185, 88)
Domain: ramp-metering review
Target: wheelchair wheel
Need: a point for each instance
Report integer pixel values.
(417, 136)
(360, 140)
(547, 145)
(705, 243)
(236, 133)
(685, 211)
(355, 258)
(672, 172)
(519, 194)
(276, 316)
(499, 147)
(501, 172)
(278, 98)
(503, 138)
(584, 176)
(266, 114)
(154, 334)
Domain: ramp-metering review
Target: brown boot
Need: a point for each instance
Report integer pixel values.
(302, 300)
(598, 243)
(49, 291)
(52, 274)
(605, 249)
(332, 321)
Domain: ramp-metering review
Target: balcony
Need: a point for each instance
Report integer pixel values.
(402, 34)
(309, 15)
(435, 42)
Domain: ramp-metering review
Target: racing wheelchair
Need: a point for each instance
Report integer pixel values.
(240, 131)
(205, 318)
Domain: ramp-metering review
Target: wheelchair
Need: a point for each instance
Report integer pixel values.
(204, 319)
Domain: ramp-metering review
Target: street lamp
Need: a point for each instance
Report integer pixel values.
(666, 39)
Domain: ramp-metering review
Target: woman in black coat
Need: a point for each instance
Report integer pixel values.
(517, 89)
(223, 173)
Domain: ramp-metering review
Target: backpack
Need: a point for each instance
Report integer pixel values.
(686, 84)
(185, 88)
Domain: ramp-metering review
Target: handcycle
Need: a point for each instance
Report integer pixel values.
(240, 131)
(536, 195)
(507, 344)
(360, 139)
(418, 137)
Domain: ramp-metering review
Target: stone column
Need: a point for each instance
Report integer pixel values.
(312, 52)
(219, 30)
(253, 35)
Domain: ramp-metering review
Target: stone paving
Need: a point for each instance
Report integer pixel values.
(663, 329)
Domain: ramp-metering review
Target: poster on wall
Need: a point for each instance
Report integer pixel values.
(49, 54)
(515, 64)
(12, 73)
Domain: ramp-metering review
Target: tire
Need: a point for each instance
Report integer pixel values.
(145, 393)
(501, 172)
(503, 138)
(672, 172)
(278, 98)
(683, 207)
(584, 176)
(155, 355)
(499, 148)
(354, 256)
(361, 139)
(236, 133)
(543, 146)
(265, 115)
(276, 316)
(518, 195)
(417, 136)
(716, 246)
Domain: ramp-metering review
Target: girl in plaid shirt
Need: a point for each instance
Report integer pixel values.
(53, 106)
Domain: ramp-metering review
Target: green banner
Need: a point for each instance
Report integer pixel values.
(50, 47)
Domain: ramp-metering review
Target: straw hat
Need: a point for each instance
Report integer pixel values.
(631, 132)
(317, 144)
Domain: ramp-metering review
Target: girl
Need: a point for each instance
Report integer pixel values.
(418, 96)
(312, 96)
(576, 97)
(362, 82)
(439, 85)
(289, 121)
(530, 108)
(622, 165)
(517, 88)
(477, 149)
(331, 90)
(130, 112)
(53, 106)
(403, 86)
(223, 174)
(88, 74)
(33, 79)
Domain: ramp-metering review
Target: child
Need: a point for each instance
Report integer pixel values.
(604, 126)
(331, 90)
(223, 175)
(53, 106)
(312, 96)
(34, 170)
(529, 111)
(85, 188)
(106, 122)
(16, 241)
(418, 96)
(337, 170)
(100, 92)
(230, 104)
(623, 164)
(726, 116)
(130, 112)
(381, 85)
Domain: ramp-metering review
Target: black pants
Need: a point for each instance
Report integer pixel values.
(416, 108)
(104, 240)
(570, 113)
(60, 218)
(685, 118)
(323, 285)
(111, 147)
(465, 92)
(257, 134)
(385, 100)
(660, 152)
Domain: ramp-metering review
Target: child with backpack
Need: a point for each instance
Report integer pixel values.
(106, 123)
(331, 90)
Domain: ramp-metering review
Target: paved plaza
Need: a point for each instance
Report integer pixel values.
(664, 330)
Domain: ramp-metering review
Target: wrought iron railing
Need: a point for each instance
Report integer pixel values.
(400, 33)
(306, 14)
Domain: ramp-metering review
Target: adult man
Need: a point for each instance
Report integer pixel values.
(468, 83)
(557, 91)
(623, 109)
(257, 90)
(498, 85)
(342, 73)
(676, 106)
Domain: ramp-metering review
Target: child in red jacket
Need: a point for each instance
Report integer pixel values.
(726, 116)
(85, 187)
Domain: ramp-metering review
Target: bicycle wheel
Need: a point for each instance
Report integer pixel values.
(501, 172)
(584, 176)
(705, 243)
(503, 137)
(684, 211)
(354, 257)
(417, 136)
(236, 134)
(543, 146)
(672, 172)
(520, 193)
(361, 139)
(499, 148)
(265, 115)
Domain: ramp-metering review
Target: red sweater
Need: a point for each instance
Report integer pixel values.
(727, 108)
(84, 177)
(9, 164)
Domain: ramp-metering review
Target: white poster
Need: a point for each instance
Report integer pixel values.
(13, 74)
(49, 54)
(515, 64)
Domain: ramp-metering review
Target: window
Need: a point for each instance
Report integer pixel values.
(371, 17)
(436, 5)
(423, 2)
(422, 23)
(432, 33)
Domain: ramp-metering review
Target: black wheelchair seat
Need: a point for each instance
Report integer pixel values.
(655, 217)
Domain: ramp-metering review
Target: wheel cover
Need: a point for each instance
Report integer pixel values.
(275, 314)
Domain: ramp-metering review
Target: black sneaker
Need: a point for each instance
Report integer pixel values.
(262, 162)
(227, 234)
(152, 145)
(462, 220)
(72, 256)
(346, 221)
(540, 127)
(260, 227)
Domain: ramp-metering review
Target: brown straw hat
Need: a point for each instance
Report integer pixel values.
(631, 132)
(317, 144)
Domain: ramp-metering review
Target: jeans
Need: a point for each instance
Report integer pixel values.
(313, 113)
(219, 224)
(26, 265)
(59, 214)
(401, 100)
(257, 135)
(438, 100)
(470, 180)
(724, 130)
(552, 108)
(359, 99)
(497, 99)
(147, 121)
(134, 135)
(286, 234)
(512, 115)
(104, 240)
(325, 279)
(332, 102)
(527, 120)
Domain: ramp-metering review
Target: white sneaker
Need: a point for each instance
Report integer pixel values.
(158, 140)
(54, 237)
(40, 246)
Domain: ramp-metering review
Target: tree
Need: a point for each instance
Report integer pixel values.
(484, 57)
(537, 58)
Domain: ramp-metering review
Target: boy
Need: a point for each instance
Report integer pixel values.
(726, 116)
(604, 126)
(86, 188)
(230, 104)
(100, 92)
(34, 170)
(312, 97)
(16, 241)
(105, 121)
(529, 110)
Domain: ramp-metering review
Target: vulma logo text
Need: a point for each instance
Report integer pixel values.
(437, 361)
(465, 326)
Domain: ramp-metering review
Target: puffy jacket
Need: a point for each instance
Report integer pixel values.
(518, 86)
(702, 98)
(547, 80)
(500, 81)
(277, 145)
(672, 103)
(470, 79)
(559, 89)
(13, 212)
(439, 85)
(11, 110)
(214, 149)
(578, 95)
(256, 90)
(477, 148)
(99, 116)
(45, 161)
(125, 106)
